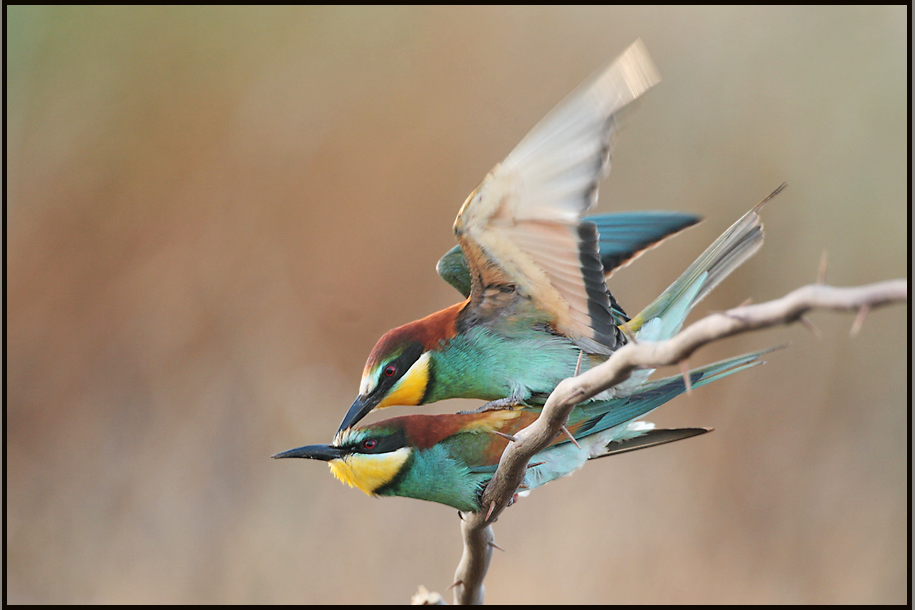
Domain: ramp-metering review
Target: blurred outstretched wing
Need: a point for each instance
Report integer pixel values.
(523, 228)
(623, 237)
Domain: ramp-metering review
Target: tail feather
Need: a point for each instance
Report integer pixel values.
(664, 317)
(607, 427)
(649, 438)
(603, 415)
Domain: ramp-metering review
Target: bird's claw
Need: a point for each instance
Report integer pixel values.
(497, 405)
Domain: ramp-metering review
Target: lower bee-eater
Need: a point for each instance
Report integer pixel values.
(449, 459)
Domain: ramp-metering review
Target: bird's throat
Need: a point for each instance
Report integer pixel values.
(369, 472)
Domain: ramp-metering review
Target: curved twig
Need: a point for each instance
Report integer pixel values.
(476, 527)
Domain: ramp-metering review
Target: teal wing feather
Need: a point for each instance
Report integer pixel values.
(453, 269)
(624, 236)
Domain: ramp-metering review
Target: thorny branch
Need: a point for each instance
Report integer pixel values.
(476, 527)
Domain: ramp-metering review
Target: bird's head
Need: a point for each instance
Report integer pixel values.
(399, 369)
(428, 457)
(369, 457)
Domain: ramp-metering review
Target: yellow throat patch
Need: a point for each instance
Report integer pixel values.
(369, 472)
(411, 387)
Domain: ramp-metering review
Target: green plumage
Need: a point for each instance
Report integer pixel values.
(444, 473)
(454, 469)
(491, 364)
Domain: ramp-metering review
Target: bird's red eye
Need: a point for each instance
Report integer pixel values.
(369, 444)
(389, 370)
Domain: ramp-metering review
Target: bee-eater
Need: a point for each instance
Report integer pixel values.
(411, 366)
(537, 306)
(450, 458)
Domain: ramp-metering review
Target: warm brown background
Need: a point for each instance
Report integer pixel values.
(214, 213)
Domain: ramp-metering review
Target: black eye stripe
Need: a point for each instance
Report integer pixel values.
(383, 443)
(401, 365)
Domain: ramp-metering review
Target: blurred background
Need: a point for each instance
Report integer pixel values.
(214, 213)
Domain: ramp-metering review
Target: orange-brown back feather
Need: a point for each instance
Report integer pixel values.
(425, 431)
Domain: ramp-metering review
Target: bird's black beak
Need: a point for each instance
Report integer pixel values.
(325, 453)
(361, 407)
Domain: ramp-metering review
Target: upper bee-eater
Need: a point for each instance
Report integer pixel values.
(418, 376)
(537, 306)
(450, 458)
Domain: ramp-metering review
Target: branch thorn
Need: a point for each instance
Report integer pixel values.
(569, 434)
(859, 320)
(503, 435)
(684, 369)
(821, 273)
(810, 326)
(578, 364)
